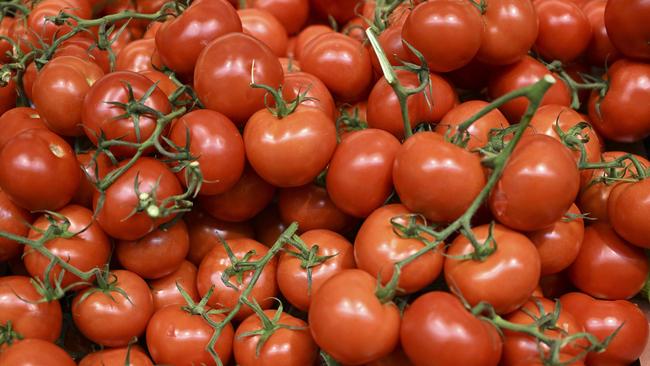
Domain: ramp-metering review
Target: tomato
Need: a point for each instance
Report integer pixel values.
(216, 262)
(191, 31)
(268, 225)
(510, 30)
(429, 170)
(164, 82)
(92, 171)
(17, 120)
(515, 262)
(564, 30)
(205, 232)
(112, 317)
(627, 28)
(165, 292)
(45, 29)
(396, 358)
(83, 47)
(178, 337)
(427, 339)
(30, 352)
(619, 117)
(29, 317)
(297, 83)
(136, 56)
(312, 208)
(307, 35)
(526, 71)
(448, 33)
(5, 47)
(479, 131)
(340, 10)
(625, 206)
(349, 322)
(286, 346)
(38, 170)
(292, 14)
(8, 96)
(13, 220)
(292, 272)
(224, 72)
(265, 27)
(100, 117)
(600, 49)
(542, 165)
(378, 246)
(117, 357)
(351, 60)
(244, 200)
(601, 318)
(391, 42)
(89, 248)
(289, 151)
(559, 244)
(518, 346)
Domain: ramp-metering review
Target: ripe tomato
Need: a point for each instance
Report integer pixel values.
(217, 144)
(81, 46)
(396, 358)
(216, 262)
(100, 117)
(136, 56)
(378, 246)
(626, 207)
(5, 47)
(312, 208)
(92, 172)
(564, 30)
(316, 93)
(390, 41)
(619, 117)
(8, 96)
(116, 216)
(601, 318)
(165, 292)
(515, 262)
(429, 170)
(114, 316)
(32, 351)
(351, 60)
(38, 170)
(427, 339)
(45, 29)
(307, 35)
(265, 27)
(224, 72)
(243, 201)
(164, 82)
(479, 131)
(448, 33)
(191, 31)
(89, 249)
(607, 267)
(117, 357)
(29, 317)
(627, 27)
(268, 225)
(349, 322)
(178, 337)
(17, 120)
(205, 231)
(157, 254)
(292, 14)
(292, 272)
(286, 346)
(600, 49)
(542, 165)
(340, 10)
(13, 220)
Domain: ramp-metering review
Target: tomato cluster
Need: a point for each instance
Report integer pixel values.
(336, 182)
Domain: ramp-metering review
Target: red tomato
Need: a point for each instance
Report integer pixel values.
(600, 49)
(7, 96)
(17, 120)
(265, 27)
(45, 29)
(92, 171)
(38, 170)
(13, 220)
(515, 262)
(292, 272)
(268, 225)
(165, 291)
(626, 208)
(292, 14)
(112, 317)
(29, 316)
(117, 357)
(5, 47)
(340, 10)
(349, 322)
(164, 82)
(30, 352)
(205, 232)
(429, 170)
(627, 27)
(479, 131)
(307, 35)
(297, 83)
(312, 208)
(564, 30)
(136, 56)
(427, 337)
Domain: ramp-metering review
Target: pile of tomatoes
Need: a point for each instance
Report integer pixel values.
(335, 182)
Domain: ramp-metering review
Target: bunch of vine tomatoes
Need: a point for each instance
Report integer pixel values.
(324, 182)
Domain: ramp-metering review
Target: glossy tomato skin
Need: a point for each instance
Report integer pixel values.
(515, 262)
(136, 56)
(542, 165)
(165, 292)
(312, 208)
(205, 232)
(30, 318)
(564, 30)
(607, 267)
(341, 10)
(17, 120)
(448, 33)
(378, 246)
(89, 249)
(215, 264)
(215, 140)
(38, 170)
(601, 318)
(426, 338)
(116, 217)
(291, 151)
(222, 75)
(391, 42)
(626, 208)
(164, 82)
(117, 357)
(366, 332)
(479, 130)
(292, 277)
(13, 220)
(362, 155)
(190, 32)
(100, 117)
(600, 49)
(47, 30)
(290, 347)
(429, 170)
(33, 351)
(92, 171)
(177, 337)
(335, 51)
(297, 83)
(292, 14)
(266, 27)
(627, 27)
(619, 117)
(307, 35)
(110, 318)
